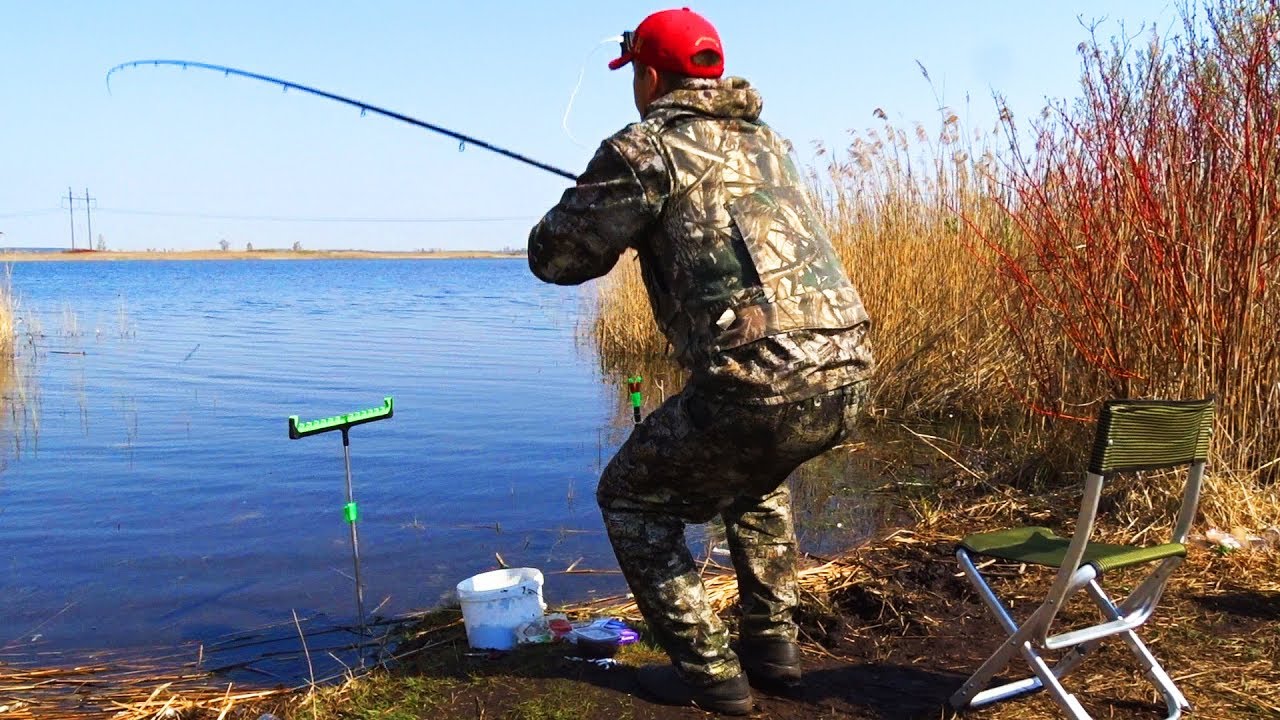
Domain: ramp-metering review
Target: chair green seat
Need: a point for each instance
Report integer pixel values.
(1039, 546)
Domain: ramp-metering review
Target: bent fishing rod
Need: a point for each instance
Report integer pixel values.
(364, 107)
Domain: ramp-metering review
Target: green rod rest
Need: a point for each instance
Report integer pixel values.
(300, 429)
(637, 397)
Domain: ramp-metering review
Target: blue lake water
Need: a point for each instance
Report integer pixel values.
(159, 494)
(151, 495)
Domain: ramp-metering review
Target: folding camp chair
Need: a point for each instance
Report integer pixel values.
(1131, 435)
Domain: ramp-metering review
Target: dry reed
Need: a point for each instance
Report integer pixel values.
(905, 211)
(19, 407)
(8, 310)
(1148, 217)
(622, 329)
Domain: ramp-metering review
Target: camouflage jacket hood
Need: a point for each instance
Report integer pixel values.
(730, 245)
(731, 99)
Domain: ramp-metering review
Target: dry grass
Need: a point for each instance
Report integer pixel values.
(901, 229)
(622, 328)
(906, 210)
(117, 687)
(14, 379)
(166, 684)
(817, 584)
(8, 319)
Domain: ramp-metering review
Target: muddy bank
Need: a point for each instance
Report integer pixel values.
(896, 644)
(893, 643)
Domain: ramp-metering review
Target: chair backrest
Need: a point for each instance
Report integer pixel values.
(1151, 435)
(1137, 435)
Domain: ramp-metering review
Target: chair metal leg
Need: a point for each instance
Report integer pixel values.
(1073, 658)
(966, 694)
(1048, 677)
(1174, 700)
(971, 693)
(985, 592)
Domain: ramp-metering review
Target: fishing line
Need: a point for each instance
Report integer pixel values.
(564, 121)
(286, 85)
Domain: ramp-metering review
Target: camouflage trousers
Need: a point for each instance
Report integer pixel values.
(692, 459)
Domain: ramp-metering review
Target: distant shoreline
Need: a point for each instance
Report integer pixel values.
(7, 256)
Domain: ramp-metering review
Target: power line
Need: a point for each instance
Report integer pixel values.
(270, 218)
(315, 219)
(31, 213)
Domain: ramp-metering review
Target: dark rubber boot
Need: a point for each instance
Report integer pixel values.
(772, 665)
(664, 684)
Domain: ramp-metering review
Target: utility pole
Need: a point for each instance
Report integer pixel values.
(88, 210)
(88, 213)
(71, 212)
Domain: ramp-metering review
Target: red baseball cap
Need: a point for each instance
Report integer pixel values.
(668, 40)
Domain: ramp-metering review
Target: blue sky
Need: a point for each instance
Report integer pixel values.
(185, 142)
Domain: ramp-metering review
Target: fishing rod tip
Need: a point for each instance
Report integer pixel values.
(114, 70)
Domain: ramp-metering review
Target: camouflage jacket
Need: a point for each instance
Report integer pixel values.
(741, 276)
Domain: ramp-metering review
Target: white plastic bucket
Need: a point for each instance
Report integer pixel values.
(495, 603)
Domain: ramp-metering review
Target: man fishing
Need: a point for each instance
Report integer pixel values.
(749, 293)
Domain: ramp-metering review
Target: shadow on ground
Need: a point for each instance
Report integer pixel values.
(1255, 604)
(542, 682)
